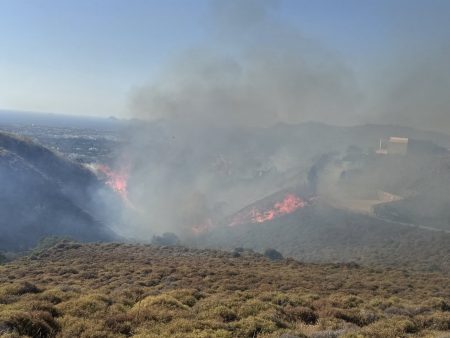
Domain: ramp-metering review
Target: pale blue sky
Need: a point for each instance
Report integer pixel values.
(85, 56)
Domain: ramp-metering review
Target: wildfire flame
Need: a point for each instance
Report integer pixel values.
(202, 228)
(289, 204)
(116, 180)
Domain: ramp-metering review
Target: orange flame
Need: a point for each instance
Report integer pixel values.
(288, 205)
(202, 228)
(116, 180)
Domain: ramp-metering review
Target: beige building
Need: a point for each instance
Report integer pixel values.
(394, 146)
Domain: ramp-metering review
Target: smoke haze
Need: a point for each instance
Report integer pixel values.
(258, 72)
(199, 158)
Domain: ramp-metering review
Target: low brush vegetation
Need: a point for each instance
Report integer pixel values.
(119, 290)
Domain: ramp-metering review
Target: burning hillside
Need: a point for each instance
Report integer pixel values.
(269, 209)
(116, 180)
(265, 210)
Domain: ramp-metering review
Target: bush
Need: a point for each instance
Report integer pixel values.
(166, 239)
(85, 306)
(147, 291)
(254, 326)
(436, 321)
(35, 323)
(162, 308)
(393, 327)
(120, 323)
(18, 289)
(48, 242)
(301, 313)
(273, 254)
(225, 314)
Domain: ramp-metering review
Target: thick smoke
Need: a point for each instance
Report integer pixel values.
(203, 154)
(191, 169)
(417, 92)
(257, 72)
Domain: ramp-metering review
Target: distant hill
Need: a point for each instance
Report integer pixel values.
(14, 117)
(43, 194)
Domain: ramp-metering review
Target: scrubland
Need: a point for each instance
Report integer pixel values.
(124, 290)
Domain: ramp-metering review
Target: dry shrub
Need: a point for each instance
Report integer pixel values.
(186, 296)
(143, 291)
(75, 327)
(161, 308)
(354, 316)
(85, 306)
(120, 323)
(390, 328)
(18, 289)
(437, 321)
(34, 323)
(225, 314)
(38, 305)
(438, 304)
(253, 307)
(253, 326)
(301, 313)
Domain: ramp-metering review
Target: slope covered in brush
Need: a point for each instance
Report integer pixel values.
(112, 290)
(41, 195)
(321, 233)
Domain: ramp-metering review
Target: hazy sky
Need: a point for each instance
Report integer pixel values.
(87, 56)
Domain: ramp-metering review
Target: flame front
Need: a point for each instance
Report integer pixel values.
(203, 227)
(116, 180)
(289, 204)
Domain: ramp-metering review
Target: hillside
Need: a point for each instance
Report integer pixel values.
(75, 180)
(222, 170)
(118, 290)
(321, 233)
(42, 195)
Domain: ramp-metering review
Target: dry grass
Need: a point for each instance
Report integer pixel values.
(117, 290)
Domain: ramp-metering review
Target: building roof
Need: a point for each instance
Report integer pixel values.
(402, 140)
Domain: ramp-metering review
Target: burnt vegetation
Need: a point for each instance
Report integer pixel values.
(121, 290)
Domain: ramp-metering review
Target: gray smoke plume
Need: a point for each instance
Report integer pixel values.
(207, 152)
(258, 71)
(417, 92)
